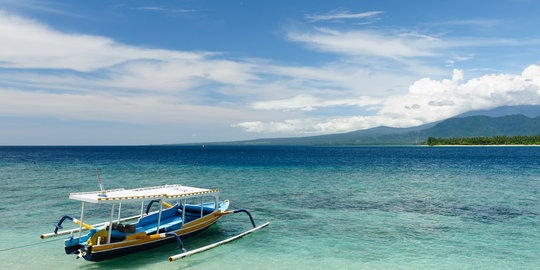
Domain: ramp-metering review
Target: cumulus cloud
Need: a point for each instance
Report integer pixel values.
(427, 101)
(443, 102)
(455, 96)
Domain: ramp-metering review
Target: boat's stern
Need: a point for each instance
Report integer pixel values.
(79, 245)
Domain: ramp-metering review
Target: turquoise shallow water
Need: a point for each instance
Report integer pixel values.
(329, 207)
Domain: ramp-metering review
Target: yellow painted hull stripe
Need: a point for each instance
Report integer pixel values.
(186, 229)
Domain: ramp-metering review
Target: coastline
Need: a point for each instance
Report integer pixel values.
(489, 145)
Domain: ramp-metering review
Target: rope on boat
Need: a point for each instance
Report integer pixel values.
(28, 245)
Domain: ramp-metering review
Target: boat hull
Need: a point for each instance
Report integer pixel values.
(89, 255)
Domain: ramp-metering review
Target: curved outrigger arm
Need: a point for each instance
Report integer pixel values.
(195, 251)
(238, 211)
(76, 221)
(85, 226)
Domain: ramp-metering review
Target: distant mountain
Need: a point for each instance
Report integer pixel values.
(378, 135)
(485, 126)
(527, 110)
(523, 120)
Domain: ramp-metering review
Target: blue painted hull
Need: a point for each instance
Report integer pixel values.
(110, 254)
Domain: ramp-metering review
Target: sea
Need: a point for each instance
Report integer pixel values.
(364, 207)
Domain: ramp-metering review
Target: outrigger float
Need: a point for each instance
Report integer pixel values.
(195, 210)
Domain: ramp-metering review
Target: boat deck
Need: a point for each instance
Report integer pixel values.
(171, 220)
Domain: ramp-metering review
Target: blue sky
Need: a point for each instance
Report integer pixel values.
(154, 72)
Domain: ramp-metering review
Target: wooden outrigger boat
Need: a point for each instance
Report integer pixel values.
(195, 210)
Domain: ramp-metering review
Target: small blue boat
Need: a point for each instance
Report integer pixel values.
(194, 210)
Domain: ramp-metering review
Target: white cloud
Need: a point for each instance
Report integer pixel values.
(114, 108)
(426, 101)
(96, 78)
(394, 44)
(288, 126)
(473, 22)
(43, 6)
(486, 92)
(346, 79)
(532, 75)
(28, 44)
(308, 102)
(368, 43)
(178, 74)
(324, 126)
(153, 8)
(342, 15)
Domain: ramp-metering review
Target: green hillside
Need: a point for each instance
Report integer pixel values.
(484, 126)
(495, 140)
(471, 126)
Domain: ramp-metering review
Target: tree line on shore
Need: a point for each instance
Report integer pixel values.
(496, 140)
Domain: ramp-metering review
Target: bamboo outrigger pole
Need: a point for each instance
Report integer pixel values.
(205, 248)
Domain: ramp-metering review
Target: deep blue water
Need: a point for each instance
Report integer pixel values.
(329, 207)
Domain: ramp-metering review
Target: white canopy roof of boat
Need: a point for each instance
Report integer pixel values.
(140, 194)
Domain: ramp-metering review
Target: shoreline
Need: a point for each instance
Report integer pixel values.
(488, 145)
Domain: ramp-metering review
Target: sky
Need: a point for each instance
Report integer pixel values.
(160, 72)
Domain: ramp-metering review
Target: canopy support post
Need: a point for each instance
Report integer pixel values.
(183, 212)
(142, 208)
(119, 209)
(82, 216)
(110, 224)
(159, 216)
